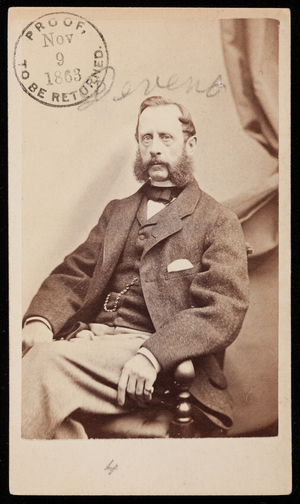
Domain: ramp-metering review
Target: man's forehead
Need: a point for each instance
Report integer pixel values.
(162, 116)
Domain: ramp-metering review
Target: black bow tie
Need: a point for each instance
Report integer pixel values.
(163, 194)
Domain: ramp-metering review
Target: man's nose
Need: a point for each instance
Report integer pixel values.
(155, 148)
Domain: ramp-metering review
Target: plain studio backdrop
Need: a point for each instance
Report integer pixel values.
(75, 161)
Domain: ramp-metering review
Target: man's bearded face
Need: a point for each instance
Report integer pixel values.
(180, 172)
(162, 154)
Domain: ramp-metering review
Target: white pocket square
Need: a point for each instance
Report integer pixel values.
(179, 265)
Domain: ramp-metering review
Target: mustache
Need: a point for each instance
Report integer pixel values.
(154, 161)
(180, 172)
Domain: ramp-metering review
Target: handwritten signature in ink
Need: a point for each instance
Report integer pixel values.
(171, 84)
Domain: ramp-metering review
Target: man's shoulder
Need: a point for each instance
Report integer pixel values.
(120, 202)
(214, 209)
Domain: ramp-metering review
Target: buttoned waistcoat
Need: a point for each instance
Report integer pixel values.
(196, 312)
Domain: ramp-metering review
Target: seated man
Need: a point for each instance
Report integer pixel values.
(160, 279)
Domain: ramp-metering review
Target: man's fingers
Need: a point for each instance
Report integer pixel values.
(122, 386)
(149, 390)
(139, 390)
(149, 386)
(131, 387)
(137, 379)
(148, 393)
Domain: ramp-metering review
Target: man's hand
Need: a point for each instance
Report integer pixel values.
(35, 332)
(137, 379)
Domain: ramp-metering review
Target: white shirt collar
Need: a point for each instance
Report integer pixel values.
(165, 183)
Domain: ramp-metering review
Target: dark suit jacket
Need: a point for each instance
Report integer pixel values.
(196, 312)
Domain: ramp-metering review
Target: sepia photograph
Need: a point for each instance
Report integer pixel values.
(149, 251)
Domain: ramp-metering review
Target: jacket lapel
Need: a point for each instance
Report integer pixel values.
(169, 220)
(115, 237)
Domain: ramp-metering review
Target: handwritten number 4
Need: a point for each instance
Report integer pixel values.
(110, 468)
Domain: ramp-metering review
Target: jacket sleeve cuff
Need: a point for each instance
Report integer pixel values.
(38, 319)
(150, 357)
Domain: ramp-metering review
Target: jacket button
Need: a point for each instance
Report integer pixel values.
(142, 236)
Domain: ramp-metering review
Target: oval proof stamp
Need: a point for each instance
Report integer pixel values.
(60, 59)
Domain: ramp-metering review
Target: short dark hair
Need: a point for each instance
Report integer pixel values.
(188, 127)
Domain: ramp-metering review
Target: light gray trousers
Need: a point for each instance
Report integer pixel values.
(62, 377)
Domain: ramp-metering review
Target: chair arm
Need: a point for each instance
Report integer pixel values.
(184, 373)
(182, 424)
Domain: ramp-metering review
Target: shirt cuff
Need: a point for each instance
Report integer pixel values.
(38, 319)
(150, 357)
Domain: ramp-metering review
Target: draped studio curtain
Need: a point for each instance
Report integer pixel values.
(250, 49)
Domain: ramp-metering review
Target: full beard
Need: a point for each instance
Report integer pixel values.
(180, 173)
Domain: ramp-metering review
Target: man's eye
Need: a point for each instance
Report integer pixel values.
(147, 138)
(166, 137)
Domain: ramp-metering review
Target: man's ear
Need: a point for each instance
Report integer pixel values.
(191, 145)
